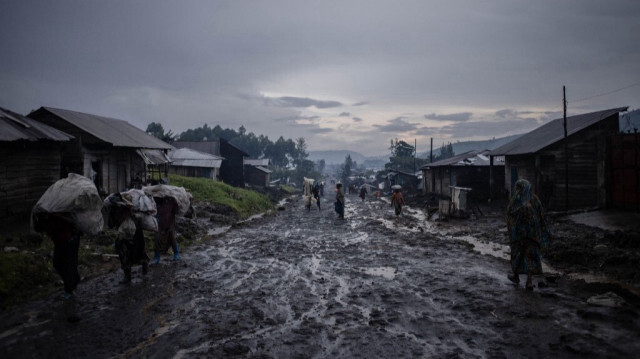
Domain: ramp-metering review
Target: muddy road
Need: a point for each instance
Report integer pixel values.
(300, 284)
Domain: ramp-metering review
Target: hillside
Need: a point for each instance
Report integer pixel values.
(466, 146)
(335, 157)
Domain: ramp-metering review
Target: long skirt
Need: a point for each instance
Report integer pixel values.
(525, 257)
(132, 251)
(163, 240)
(65, 261)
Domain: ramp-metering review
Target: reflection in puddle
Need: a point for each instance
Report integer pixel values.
(385, 272)
(218, 230)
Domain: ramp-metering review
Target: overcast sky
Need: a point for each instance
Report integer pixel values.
(342, 74)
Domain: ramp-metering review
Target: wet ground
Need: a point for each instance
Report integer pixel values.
(298, 284)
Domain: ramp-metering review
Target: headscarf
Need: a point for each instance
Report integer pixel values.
(521, 196)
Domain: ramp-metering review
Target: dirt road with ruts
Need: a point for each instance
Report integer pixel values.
(304, 284)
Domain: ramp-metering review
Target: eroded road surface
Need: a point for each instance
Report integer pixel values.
(300, 284)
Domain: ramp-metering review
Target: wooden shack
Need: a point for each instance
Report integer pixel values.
(408, 181)
(470, 169)
(232, 167)
(539, 156)
(30, 162)
(256, 172)
(113, 153)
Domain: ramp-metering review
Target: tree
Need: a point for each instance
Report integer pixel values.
(346, 170)
(156, 130)
(446, 151)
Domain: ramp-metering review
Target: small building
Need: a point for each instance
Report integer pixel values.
(232, 167)
(113, 153)
(256, 172)
(408, 181)
(192, 163)
(539, 156)
(470, 170)
(30, 162)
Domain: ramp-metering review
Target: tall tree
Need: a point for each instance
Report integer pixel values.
(155, 129)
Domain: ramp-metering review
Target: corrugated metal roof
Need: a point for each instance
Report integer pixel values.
(153, 157)
(119, 133)
(186, 157)
(262, 169)
(552, 132)
(470, 158)
(15, 127)
(256, 162)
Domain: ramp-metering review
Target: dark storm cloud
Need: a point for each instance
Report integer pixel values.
(344, 114)
(398, 124)
(320, 130)
(357, 119)
(455, 117)
(178, 63)
(301, 102)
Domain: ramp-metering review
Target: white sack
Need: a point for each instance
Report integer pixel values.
(77, 196)
(182, 197)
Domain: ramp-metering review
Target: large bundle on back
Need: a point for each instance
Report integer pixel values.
(74, 198)
(182, 197)
(141, 206)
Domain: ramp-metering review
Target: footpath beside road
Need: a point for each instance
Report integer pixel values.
(304, 284)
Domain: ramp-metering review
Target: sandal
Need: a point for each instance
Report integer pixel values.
(529, 286)
(514, 278)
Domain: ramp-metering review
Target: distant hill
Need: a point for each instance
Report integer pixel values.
(335, 157)
(462, 147)
(338, 156)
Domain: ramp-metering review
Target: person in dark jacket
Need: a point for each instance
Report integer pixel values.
(66, 242)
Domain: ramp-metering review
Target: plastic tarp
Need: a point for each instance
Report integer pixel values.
(75, 197)
(142, 207)
(182, 197)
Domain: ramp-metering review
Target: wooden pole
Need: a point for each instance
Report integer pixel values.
(431, 151)
(415, 153)
(566, 149)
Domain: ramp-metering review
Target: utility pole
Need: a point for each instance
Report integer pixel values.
(566, 149)
(431, 151)
(415, 153)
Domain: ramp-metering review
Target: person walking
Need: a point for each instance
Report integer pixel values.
(316, 193)
(363, 191)
(339, 205)
(166, 235)
(528, 233)
(397, 201)
(130, 244)
(66, 242)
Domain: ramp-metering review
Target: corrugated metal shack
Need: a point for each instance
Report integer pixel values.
(539, 157)
(192, 163)
(113, 153)
(470, 169)
(408, 181)
(256, 172)
(232, 167)
(30, 162)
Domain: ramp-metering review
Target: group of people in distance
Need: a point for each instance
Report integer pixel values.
(397, 201)
(527, 226)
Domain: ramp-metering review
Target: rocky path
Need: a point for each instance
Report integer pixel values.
(301, 284)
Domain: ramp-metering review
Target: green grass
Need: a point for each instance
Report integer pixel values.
(289, 189)
(24, 276)
(243, 202)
